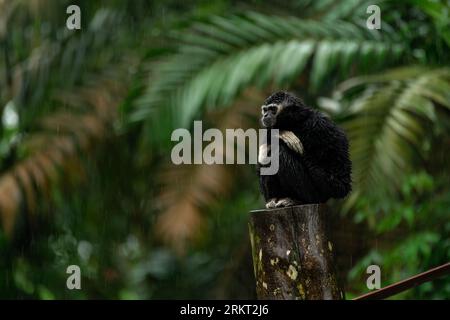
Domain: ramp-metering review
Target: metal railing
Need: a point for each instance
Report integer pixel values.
(406, 284)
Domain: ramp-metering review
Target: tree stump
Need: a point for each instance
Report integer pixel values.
(292, 256)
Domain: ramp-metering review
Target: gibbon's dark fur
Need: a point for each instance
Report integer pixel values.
(323, 171)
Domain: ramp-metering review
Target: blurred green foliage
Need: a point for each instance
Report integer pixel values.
(85, 142)
(418, 226)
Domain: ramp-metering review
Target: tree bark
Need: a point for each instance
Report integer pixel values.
(292, 255)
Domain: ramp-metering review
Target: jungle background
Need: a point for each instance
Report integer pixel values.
(86, 119)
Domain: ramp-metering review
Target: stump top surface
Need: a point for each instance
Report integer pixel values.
(299, 208)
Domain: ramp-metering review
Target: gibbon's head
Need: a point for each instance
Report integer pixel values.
(277, 109)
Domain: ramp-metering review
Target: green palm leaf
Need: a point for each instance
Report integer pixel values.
(220, 58)
(388, 123)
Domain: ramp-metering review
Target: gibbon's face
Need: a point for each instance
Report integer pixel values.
(269, 114)
(280, 102)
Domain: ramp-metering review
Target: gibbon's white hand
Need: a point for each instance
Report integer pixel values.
(292, 141)
(263, 154)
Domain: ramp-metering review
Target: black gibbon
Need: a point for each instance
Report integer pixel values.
(314, 163)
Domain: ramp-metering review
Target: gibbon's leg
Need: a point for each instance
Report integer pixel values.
(269, 184)
(328, 184)
(270, 188)
(295, 178)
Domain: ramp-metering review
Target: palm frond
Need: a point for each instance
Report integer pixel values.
(50, 63)
(389, 120)
(55, 149)
(218, 59)
(438, 11)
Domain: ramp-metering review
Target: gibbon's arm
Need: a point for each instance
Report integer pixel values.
(294, 177)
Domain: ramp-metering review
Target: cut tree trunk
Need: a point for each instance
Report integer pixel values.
(292, 256)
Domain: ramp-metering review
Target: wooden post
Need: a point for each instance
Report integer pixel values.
(292, 256)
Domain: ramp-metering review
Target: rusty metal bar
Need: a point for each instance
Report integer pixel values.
(406, 284)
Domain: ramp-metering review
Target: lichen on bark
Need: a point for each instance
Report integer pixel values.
(292, 255)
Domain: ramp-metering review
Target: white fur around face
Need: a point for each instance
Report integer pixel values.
(263, 154)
